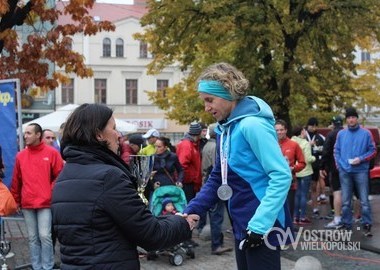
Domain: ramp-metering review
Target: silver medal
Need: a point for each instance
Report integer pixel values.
(224, 192)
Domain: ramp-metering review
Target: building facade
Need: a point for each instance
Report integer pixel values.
(120, 77)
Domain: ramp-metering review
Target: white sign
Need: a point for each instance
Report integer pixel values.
(147, 123)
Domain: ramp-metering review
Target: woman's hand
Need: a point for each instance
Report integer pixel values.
(179, 184)
(156, 185)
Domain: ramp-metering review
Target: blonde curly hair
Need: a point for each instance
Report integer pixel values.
(229, 76)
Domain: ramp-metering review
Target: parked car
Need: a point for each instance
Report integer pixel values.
(374, 173)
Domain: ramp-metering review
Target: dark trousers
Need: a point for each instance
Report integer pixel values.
(189, 191)
(216, 215)
(290, 199)
(259, 258)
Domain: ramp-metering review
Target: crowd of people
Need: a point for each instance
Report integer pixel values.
(77, 185)
(59, 178)
(340, 160)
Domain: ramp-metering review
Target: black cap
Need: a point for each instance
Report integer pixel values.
(312, 121)
(337, 120)
(136, 139)
(351, 112)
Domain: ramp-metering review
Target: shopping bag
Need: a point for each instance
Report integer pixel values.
(8, 205)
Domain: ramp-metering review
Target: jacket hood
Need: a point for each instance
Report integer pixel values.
(188, 137)
(248, 106)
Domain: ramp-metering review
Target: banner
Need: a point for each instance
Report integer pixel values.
(8, 128)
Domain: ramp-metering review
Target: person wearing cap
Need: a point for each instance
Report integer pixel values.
(353, 150)
(151, 137)
(328, 169)
(189, 156)
(250, 172)
(316, 141)
(168, 207)
(134, 144)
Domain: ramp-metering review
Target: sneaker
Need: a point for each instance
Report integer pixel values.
(221, 250)
(346, 227)
(296, 221)
(304, 221)
(333, 225)
(321, 199)
(315, 213)
(357, 219)
(367, 230)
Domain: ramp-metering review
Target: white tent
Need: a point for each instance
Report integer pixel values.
(54, 120)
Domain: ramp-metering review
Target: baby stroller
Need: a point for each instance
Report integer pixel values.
(177, 196)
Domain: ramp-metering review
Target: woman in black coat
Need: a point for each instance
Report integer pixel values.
(167, 168)
(99, 217)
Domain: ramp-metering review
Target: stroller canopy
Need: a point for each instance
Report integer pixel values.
(175, 193)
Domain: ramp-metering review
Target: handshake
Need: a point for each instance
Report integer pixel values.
(192, 219)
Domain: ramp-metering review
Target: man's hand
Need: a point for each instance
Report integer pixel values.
(251, 240)
(355, 161)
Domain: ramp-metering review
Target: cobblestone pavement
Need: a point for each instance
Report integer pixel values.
(367, 257)
(16, 234)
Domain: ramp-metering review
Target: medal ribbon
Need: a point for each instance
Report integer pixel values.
(224, 155)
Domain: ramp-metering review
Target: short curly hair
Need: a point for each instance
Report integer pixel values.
(229, 76)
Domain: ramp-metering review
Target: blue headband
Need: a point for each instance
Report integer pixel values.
(214, 88)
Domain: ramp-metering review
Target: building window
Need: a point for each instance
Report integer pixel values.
(101, 91)
(67, 94)
(131, 92)
(366, 56)
(143, 50)
(161, 86)
(106, 47)
(119, 47)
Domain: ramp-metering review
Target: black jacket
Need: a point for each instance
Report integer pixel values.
(167, 161)
(328, 161)
(99, 217)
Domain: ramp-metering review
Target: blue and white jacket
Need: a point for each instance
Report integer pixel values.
(257, 173)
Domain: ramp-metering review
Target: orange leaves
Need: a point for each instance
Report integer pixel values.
(3, 7)
(32, 57)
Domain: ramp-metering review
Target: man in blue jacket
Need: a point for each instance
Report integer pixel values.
(353, 150)
(250, 171)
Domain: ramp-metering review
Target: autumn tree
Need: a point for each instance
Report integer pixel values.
(46, 41)
(297, 55)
